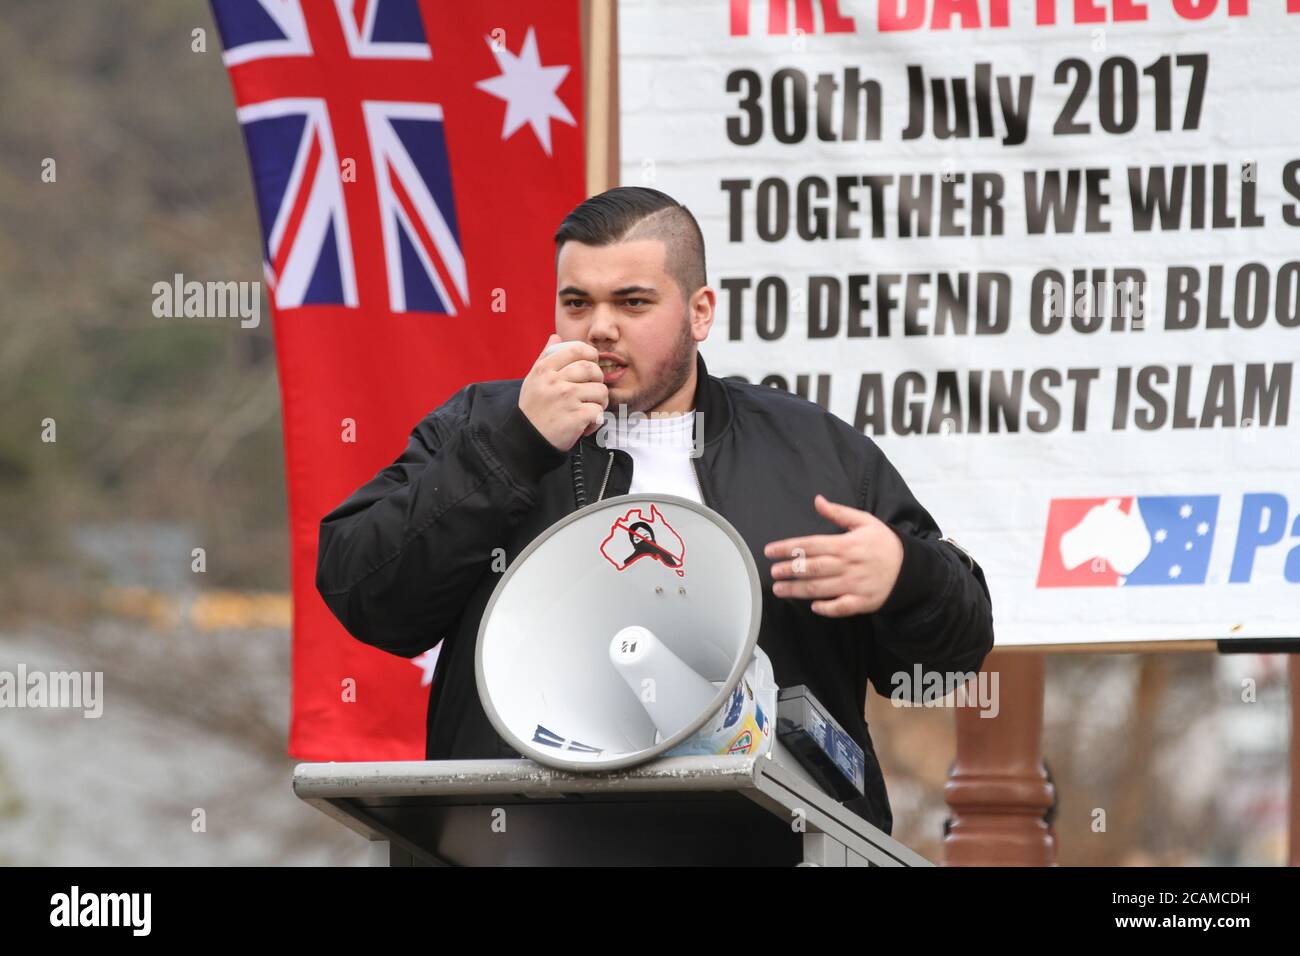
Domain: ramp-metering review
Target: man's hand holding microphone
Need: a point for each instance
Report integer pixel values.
(564, 394)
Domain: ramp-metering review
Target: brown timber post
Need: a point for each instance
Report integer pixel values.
(998, 788)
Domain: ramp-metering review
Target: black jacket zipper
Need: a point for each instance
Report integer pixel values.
(698, 482)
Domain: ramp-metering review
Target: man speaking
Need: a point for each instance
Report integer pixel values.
(858, 583)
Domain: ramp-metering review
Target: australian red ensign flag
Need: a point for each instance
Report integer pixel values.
(411, 162)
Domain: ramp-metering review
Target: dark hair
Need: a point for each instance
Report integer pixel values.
(627, 213)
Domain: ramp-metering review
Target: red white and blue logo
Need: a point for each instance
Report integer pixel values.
(1110, 542)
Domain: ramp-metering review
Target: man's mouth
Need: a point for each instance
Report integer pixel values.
(613, 369)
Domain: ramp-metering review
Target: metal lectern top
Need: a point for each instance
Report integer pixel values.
(675, 811)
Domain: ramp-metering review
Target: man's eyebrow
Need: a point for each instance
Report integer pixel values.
(625, 290)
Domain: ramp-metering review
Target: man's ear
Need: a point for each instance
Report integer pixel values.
(701, 311)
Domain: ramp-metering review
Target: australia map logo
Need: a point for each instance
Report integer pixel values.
(1114, 542)
(637, 535)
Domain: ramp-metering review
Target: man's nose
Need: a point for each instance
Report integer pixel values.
(604, 323)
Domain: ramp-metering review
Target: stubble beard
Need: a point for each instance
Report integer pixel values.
(674, 376)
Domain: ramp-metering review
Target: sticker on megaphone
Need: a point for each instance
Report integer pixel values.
(744, 725)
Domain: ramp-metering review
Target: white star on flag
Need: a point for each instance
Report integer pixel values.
(428, 662)
(528, 89)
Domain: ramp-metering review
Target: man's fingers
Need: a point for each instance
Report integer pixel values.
(806, 546)
(821, 566)
(582, 371)
(842, 515)
(842, 606)
(812, 544)
(592, 393)
(571, 351)
(814, 588)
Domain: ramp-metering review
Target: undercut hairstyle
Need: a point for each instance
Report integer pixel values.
(631, 213)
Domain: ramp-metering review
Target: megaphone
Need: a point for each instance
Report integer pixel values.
(618, 633)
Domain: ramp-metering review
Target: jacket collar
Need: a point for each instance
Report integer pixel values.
(712, 403)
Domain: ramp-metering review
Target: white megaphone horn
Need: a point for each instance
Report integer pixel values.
(618, 633)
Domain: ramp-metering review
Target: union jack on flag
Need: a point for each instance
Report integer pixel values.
(347, 161)
(410, 161)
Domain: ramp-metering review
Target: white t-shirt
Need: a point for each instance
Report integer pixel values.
(661, 448)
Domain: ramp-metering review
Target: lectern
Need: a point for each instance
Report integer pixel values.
(673, 811)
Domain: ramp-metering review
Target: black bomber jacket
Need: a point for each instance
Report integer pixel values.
(406, 560)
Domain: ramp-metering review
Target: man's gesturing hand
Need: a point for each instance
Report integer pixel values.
(849, 573)
(564, 394)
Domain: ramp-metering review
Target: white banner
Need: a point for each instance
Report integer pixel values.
(1046, 253)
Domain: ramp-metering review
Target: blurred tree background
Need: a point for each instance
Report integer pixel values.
(156, 417)
(168, 439)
